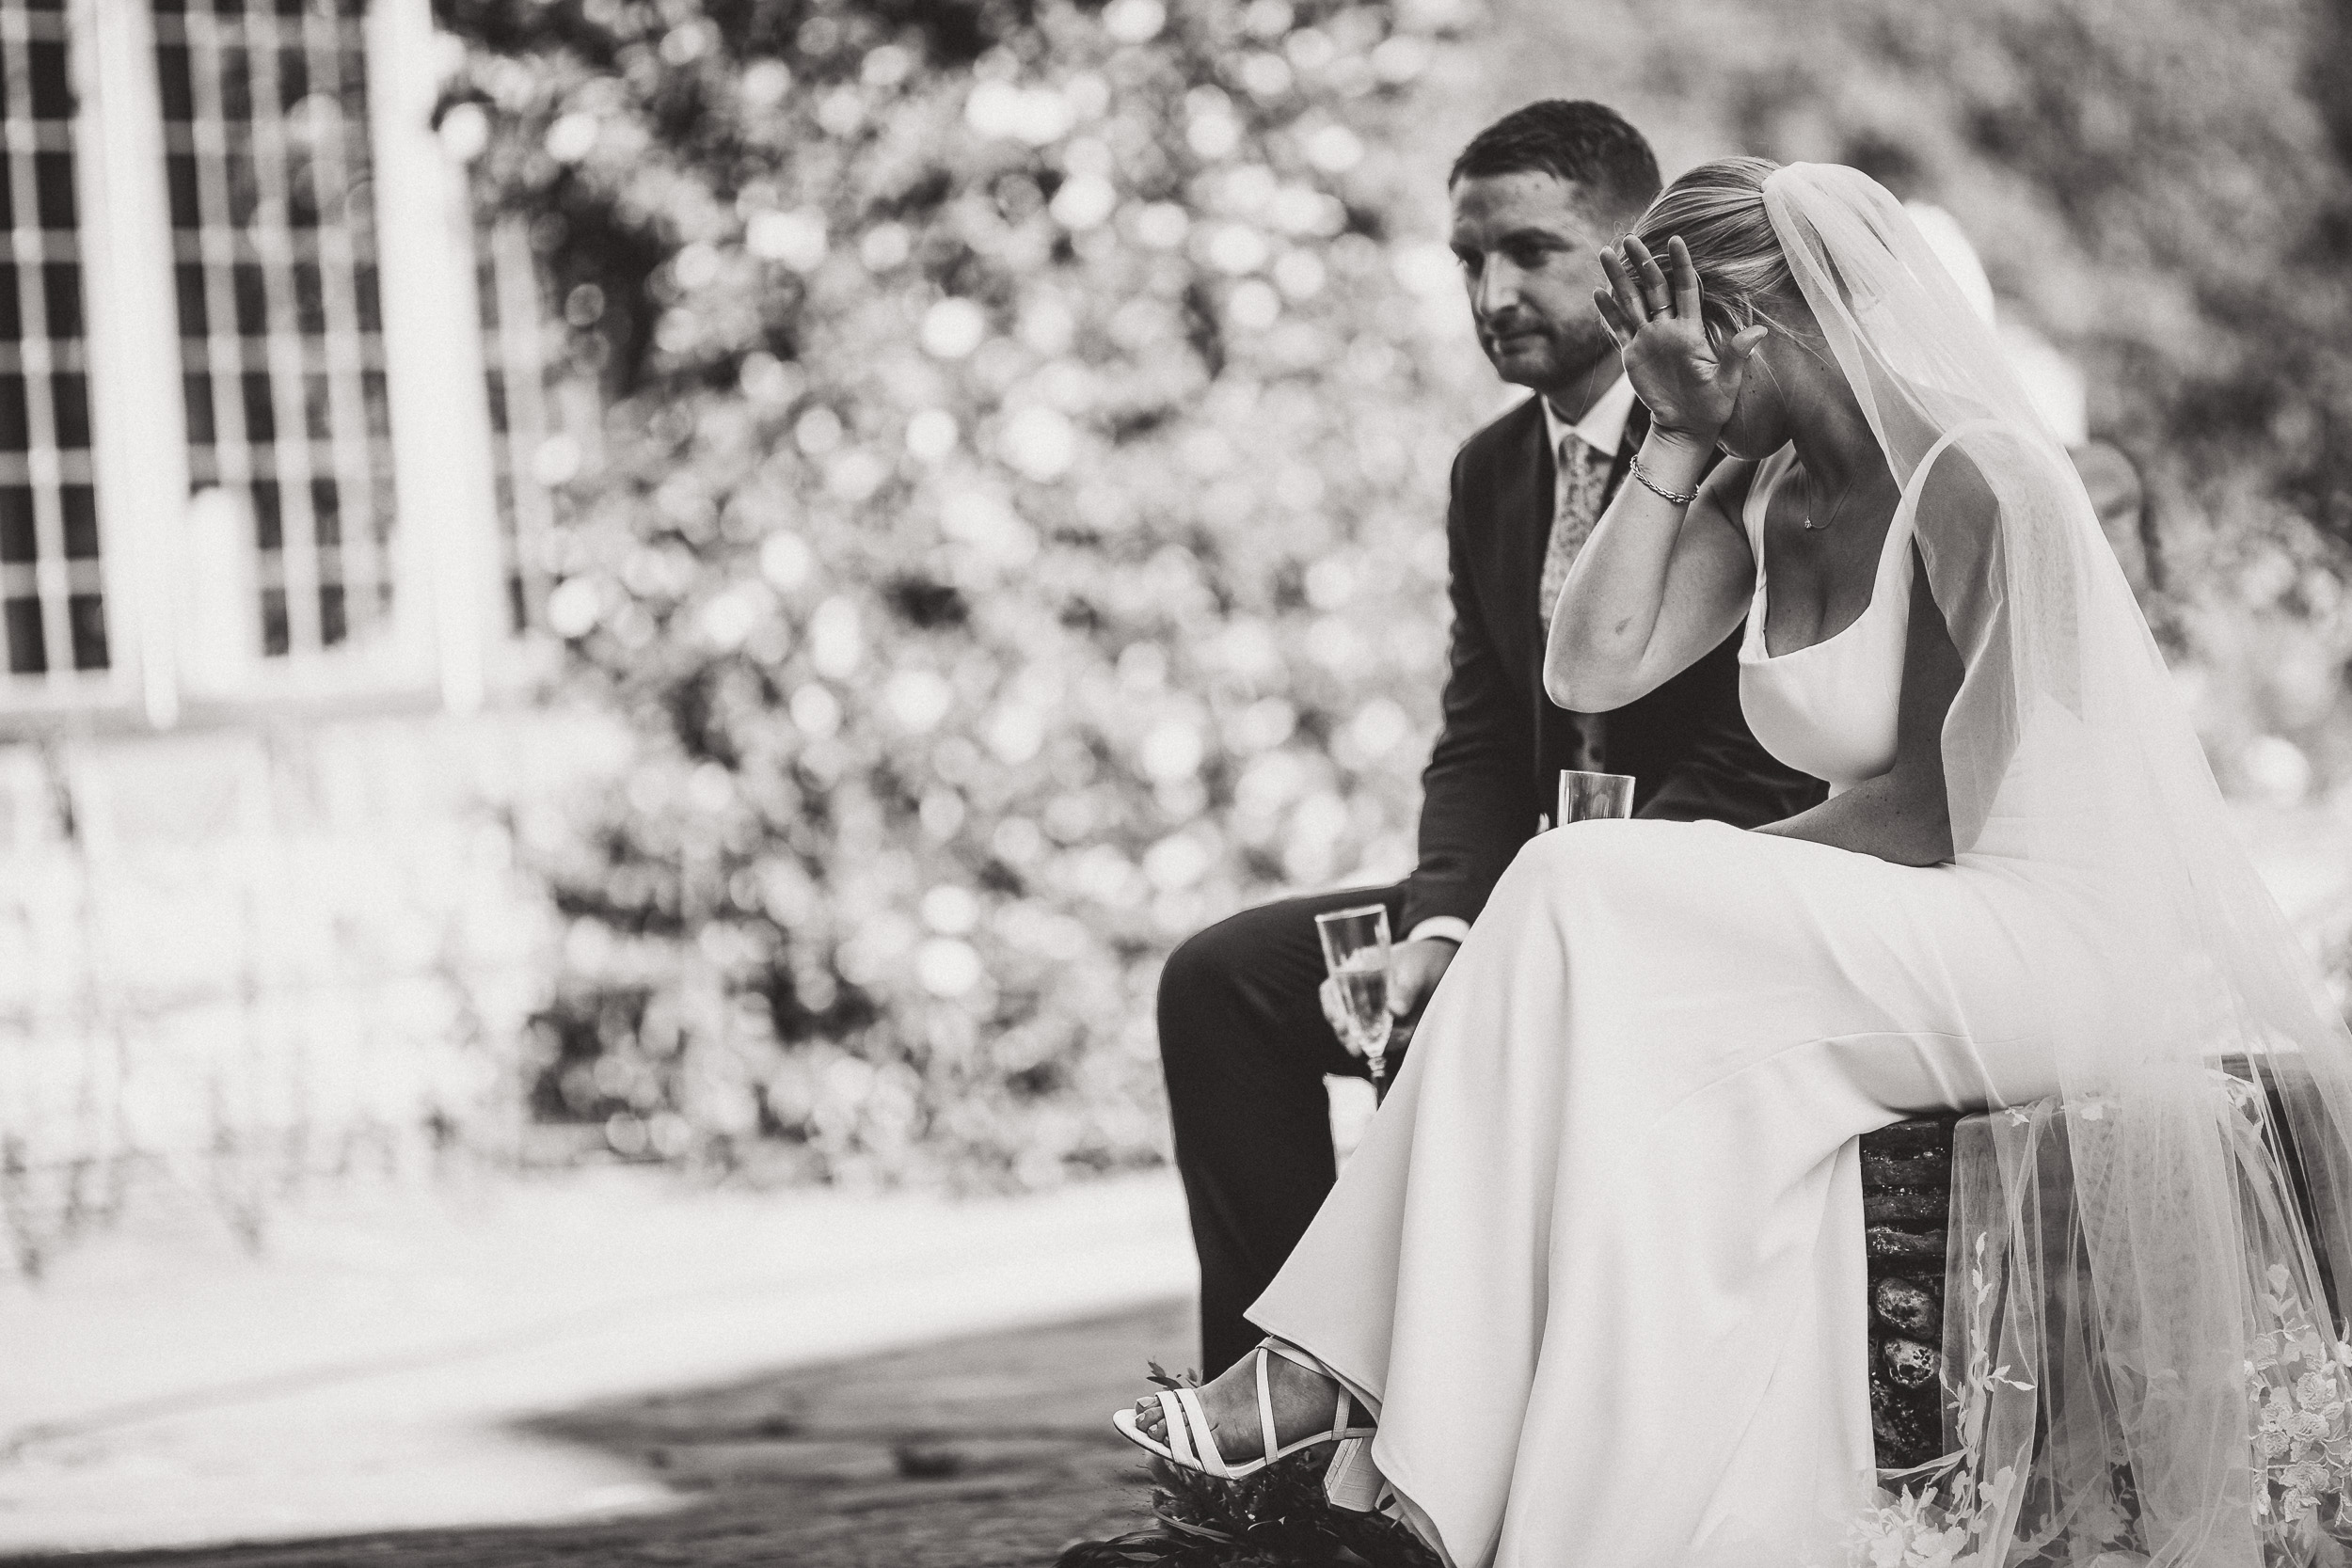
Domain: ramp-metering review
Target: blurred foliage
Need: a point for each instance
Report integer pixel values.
(1016, 540)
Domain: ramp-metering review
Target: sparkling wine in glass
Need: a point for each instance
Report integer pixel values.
(1588, 796)
(1356, 954)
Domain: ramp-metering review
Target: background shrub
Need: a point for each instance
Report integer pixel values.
(1017, 539)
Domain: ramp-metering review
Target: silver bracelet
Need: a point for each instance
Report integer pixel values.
(1661, 491)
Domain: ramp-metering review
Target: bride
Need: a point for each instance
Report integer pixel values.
(1591, 1291)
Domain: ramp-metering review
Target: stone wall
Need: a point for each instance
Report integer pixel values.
(1906, 1200)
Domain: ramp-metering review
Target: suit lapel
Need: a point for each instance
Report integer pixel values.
(1636, 432)
(1523, 502)
(1524, 515)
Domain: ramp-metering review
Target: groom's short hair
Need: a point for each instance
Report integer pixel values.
(1583, 142)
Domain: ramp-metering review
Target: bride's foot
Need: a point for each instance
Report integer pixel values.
(1304, 1403)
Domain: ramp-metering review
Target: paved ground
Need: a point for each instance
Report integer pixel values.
(984, 1452)
(580, 1351)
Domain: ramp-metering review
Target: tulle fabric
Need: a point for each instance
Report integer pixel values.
(2145, 1354)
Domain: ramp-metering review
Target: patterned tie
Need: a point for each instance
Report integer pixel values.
(1583, 474)
(1581, 480)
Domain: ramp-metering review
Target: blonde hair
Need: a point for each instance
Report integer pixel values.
(1718, 209)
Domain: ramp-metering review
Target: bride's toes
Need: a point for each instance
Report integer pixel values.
(1149, 1416)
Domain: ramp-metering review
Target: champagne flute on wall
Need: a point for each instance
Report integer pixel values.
(1355, 955)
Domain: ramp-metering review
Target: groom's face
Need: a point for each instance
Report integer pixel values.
(1530, 244)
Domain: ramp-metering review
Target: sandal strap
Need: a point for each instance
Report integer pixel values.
(1203, 1443)
(1178, 1430)
(1265, 1406)
(1288, 1352)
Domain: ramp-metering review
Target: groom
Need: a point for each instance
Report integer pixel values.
(1243, 1038)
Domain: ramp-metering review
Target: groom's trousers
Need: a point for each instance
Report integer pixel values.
(1246, 1047)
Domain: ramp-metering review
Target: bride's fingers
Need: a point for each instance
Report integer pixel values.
(1648, 277)
(1685, 277)
(1618, 268)
(1613, 317)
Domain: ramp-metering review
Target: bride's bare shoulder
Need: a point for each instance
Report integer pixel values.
(1956, 493)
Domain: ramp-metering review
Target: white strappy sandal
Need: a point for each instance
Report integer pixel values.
(1349, 1481)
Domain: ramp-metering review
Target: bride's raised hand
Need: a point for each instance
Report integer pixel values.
(1688, 382)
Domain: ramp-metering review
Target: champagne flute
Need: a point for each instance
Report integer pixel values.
(1355, 955)
(1591, 796)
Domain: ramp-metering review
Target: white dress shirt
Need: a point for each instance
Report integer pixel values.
(1601, 429)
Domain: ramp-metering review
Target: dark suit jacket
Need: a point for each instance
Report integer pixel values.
(1499, 756)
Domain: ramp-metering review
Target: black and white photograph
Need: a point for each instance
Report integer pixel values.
(1176, 784)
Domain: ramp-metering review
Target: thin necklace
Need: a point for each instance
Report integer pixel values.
(1812, 527)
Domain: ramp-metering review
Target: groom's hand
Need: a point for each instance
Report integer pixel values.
(1414, 970)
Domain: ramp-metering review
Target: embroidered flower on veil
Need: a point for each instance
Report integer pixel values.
(1933, 1525)
(1913, 1532)
(2295, 1378)
(2298, 1390)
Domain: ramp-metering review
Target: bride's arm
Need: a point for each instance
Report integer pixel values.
(1900, 816)
(1661, 581)
(1656, 586)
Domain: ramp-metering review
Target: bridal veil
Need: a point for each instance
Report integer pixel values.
(2143, 1334)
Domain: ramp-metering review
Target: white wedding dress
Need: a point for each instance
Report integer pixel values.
(1598, 1263)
